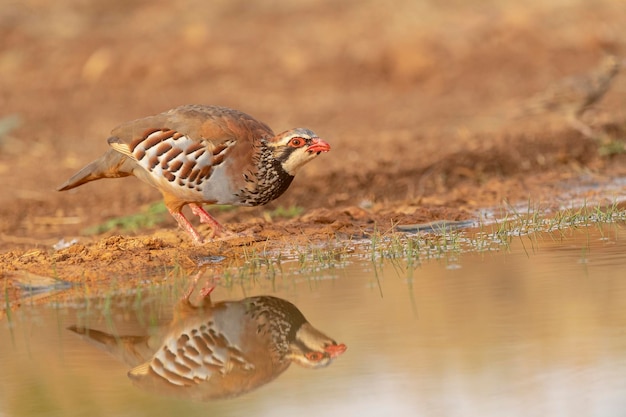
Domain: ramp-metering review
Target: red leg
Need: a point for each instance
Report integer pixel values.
(186, 226)
(206, 291)
(189, 291)
(205, 217)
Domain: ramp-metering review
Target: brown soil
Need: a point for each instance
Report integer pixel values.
(415, 101)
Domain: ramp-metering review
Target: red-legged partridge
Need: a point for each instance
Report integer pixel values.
(199, 154)
(573, 96)
(220, 350)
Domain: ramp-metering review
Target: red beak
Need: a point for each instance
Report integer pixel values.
(317, 146)
(335, 350)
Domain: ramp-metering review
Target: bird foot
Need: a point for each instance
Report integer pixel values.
(221, 234)
(186, 226)
(217, 230)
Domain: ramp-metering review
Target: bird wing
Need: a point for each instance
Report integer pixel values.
(191, 358)
(211, 126)
(180, 149)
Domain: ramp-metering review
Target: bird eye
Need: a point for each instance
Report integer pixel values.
(296, 142)
(314, 356)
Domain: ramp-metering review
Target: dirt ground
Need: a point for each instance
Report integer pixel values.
(415, 100)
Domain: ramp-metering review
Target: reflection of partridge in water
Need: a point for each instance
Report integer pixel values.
(572, 96)
(220, 350)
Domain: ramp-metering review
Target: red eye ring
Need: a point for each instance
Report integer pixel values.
(314, 356)
(296, 142)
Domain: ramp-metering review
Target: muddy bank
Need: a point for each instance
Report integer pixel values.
(417, 114)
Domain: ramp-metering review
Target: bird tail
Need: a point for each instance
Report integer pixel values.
(95, 336)
(131, 350)
(110, 165)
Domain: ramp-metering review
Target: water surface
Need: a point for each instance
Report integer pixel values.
(537, 329)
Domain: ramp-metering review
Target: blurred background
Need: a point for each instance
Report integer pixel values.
(413, 96)
(418, 101)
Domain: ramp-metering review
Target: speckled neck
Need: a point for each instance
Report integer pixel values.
(270, 181)
(279, 318)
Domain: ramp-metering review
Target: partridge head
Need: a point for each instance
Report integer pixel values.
(219, 350)
(198, 154)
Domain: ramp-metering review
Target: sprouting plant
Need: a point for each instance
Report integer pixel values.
(153, 215)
